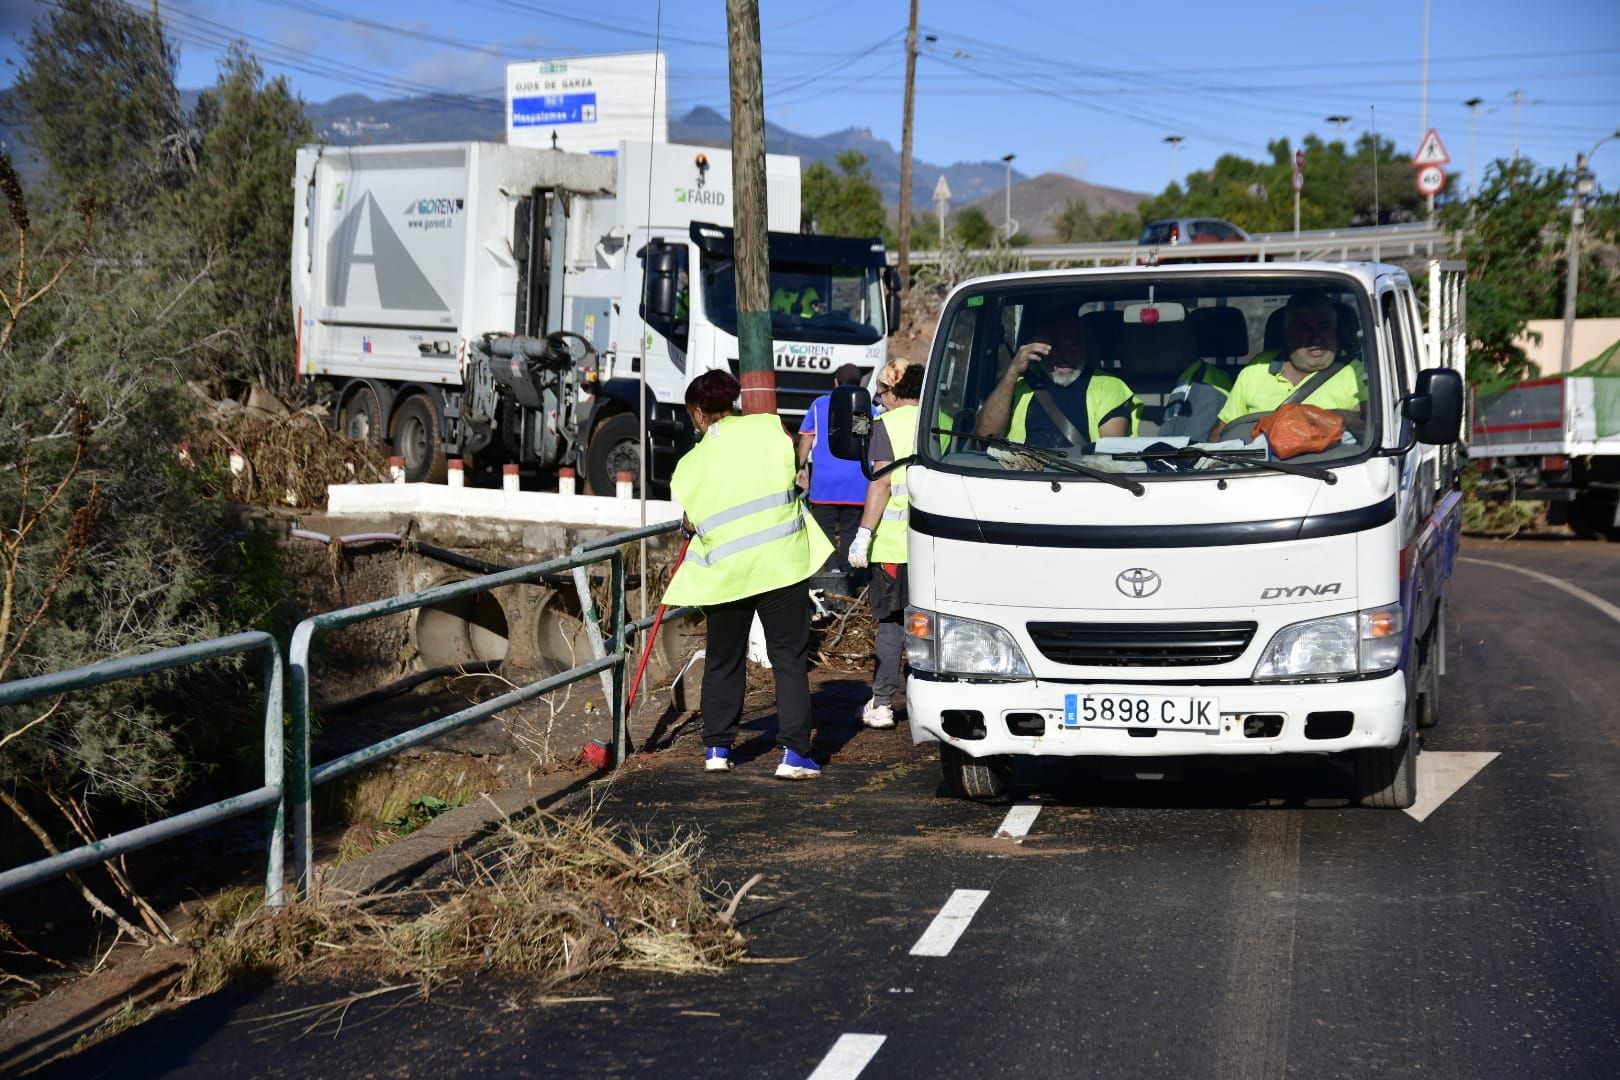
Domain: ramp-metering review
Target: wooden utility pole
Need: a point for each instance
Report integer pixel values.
(755, 369)
(905, 149)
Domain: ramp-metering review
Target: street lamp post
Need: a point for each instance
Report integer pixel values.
(1008, 225)
(1175, 142)
(1577, 217)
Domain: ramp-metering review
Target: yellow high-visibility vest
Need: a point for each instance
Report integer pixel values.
(753, 533)
(889, 538)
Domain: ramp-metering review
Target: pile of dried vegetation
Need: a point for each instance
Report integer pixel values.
(553, 899)
(847, 639)
(288, 456)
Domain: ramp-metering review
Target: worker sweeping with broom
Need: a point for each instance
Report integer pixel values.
(752, 551)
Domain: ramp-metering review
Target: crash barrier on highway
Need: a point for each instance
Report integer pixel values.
(266, 798)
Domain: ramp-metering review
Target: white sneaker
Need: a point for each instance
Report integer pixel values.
(717, 759)
(877, 716)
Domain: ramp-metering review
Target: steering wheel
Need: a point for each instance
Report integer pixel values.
(565, 345)
(1242, 427)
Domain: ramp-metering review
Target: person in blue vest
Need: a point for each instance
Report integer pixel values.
(753, 548)
(1048, 396)
(836, 487)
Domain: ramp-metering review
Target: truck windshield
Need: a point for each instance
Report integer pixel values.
(807, 302)
(1139, 375)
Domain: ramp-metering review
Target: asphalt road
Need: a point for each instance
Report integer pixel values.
(1220, 923)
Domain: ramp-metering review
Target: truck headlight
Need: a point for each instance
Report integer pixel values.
(951, 645)
(1356, 643)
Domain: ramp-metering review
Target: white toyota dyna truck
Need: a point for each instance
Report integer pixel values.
(1119, 566)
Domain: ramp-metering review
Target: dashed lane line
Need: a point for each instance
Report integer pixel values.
(948, 925)
(1576, 591)
(1015, 826)
(848, 1056)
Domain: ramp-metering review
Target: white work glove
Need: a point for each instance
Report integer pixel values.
(860, 548)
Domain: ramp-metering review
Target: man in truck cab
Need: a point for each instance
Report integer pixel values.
(1049, 397)
(796, 296)
(1309, 369)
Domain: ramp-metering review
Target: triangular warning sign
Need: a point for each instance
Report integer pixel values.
(1432, 152)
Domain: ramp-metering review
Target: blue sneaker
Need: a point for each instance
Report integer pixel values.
(796, 767)
(717, 759)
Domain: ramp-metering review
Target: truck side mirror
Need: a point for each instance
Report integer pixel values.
(1435, 406)
(663, 267)
(892, 286)
(849, 422)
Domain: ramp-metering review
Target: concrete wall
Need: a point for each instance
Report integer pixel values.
(1592, 336)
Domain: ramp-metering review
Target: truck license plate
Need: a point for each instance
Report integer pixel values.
(1198, 714)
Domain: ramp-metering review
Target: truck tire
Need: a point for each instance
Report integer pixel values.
(1386, 779)
(979, 779)
(361, 416)
(1428, 707)
(416, 439)
(614, 445)
(1592, 517)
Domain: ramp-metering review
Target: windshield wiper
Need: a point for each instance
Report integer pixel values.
(1233, 457)
(1049, 459)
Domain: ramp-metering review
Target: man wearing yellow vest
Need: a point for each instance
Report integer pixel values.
(881, 539)
(1049, 396)
(1309, 370)
(753, 549)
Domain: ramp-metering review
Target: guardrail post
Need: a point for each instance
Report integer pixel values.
(298, 786)
(275, 869)
(621, 719)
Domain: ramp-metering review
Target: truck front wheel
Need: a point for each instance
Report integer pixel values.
(1386, 779)
(980, 779)
(416, 439)
(614, 447)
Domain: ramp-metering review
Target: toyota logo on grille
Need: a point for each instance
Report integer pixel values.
(1137, 582)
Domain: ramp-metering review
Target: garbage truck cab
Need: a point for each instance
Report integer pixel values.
(1103, 566)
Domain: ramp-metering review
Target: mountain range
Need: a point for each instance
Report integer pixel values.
(355, 118)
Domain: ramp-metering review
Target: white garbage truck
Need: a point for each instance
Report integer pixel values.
(1091, 577)
(508, 304)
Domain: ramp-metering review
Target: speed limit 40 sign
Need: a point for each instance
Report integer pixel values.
(1430, 180)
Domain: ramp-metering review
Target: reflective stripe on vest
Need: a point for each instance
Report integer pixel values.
(889, 542)
(752, 506)
(743, 543)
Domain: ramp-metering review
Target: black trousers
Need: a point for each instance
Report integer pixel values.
(839, 522)
(785, 616)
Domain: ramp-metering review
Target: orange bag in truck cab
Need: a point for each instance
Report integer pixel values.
(1301, 429)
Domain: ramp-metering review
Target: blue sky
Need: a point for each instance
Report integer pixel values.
(1076, 86)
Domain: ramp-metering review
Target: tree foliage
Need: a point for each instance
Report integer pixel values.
(1077, 223)
(973, 228)
(1515, 235)
(1339, 191)
(98, 83)
(240, 206)
(845, 203)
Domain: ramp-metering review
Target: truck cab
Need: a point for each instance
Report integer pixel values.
(1090, 576)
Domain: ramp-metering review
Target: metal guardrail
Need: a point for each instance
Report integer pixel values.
(1377, 243)
(305, 777)
(587, 603)
(268, 797)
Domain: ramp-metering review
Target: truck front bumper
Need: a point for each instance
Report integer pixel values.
(1312, 718)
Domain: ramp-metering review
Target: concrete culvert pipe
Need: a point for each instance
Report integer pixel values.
(465, 630)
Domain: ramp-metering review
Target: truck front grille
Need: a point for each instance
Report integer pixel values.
(1141, 644)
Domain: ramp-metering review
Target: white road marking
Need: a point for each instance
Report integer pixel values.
(1442, 773)
(1576, 591)
(953, 918)
(1016, 824)
(849, 1055)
